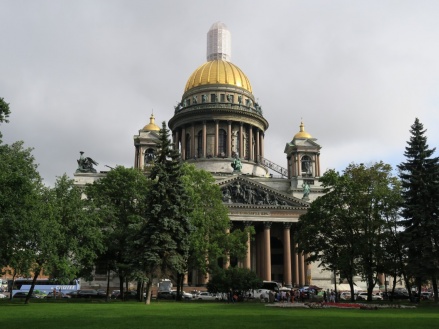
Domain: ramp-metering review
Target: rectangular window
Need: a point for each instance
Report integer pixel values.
(222, 98)
(212, 98)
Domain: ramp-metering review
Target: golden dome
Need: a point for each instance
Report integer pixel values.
(218, 72)
(151, 126)
(302, 133)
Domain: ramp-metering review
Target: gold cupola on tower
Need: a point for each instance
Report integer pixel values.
(302, 133)
(151, 126)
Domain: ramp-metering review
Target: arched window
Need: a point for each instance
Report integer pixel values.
(306, 165)
(149, 156)
(222, 143)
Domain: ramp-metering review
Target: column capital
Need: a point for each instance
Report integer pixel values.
(287, 225)
(248, 223)
(267, 224)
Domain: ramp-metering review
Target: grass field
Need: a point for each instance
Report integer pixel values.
(175, 315)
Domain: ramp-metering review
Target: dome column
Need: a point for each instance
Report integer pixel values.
(229, 139)
(262, 145)
(193, 151)
(258, 152)
(241, 141)
(204, 140)
(176, 141)
(251, 145)
(183, 143)
(317, 165)
(216, 138)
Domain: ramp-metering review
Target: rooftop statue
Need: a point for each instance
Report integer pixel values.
(85, 164)
(236, 164)
(306, 190)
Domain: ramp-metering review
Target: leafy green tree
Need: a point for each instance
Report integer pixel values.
(4, 111)
(326, 232)
(82, 237)
(60, 236)
(209, 240)
(119, 199)
(349, 221)
(240, 280)
(419, 176)
(20, 185)
(163, 239)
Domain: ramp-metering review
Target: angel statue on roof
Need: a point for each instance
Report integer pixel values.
(85, 164)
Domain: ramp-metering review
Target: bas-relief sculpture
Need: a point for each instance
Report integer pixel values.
(247, 194)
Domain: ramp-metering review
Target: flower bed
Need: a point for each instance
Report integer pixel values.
(357, 305)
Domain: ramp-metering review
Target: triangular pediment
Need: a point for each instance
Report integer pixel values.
(303, 144)
(241, 190)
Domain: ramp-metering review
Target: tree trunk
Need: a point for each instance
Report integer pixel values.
(148, 292)
(12, 285)
(108, 285)
(179, 286)
(434, 282)
(121, 283)
(31, 290)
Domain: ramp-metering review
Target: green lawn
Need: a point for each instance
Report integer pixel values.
(174, 315)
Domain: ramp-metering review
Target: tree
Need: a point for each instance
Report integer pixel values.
(344, 228)
(59, 236)
(326, 232)
(240, 280)
(162, 243)
(419, 176)
(4, 111)
(20, 185)
(209, 240)
(119, 199)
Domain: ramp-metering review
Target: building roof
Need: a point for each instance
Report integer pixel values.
(218, 72)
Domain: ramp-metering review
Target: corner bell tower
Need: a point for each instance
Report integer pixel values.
(303, 156)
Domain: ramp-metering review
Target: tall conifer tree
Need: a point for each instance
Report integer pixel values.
(167, 228)
(420, 190)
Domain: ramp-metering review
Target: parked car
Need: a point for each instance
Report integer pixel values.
(165, 295)
(115, 294)
(89, 293)
(207, 296)
(362, 296)
(131, 294)
(426, 295)
(2, 296)
(345, 296)
(102, 293)
(187, 296)
(396, 295)
(23, 294)
(73, 294)
(57, 294)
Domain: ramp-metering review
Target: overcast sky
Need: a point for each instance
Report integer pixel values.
(86, 75)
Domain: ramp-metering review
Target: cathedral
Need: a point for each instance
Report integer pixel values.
(219, 126)
(217, 123)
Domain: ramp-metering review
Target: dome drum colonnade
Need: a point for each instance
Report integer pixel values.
(218, 118)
